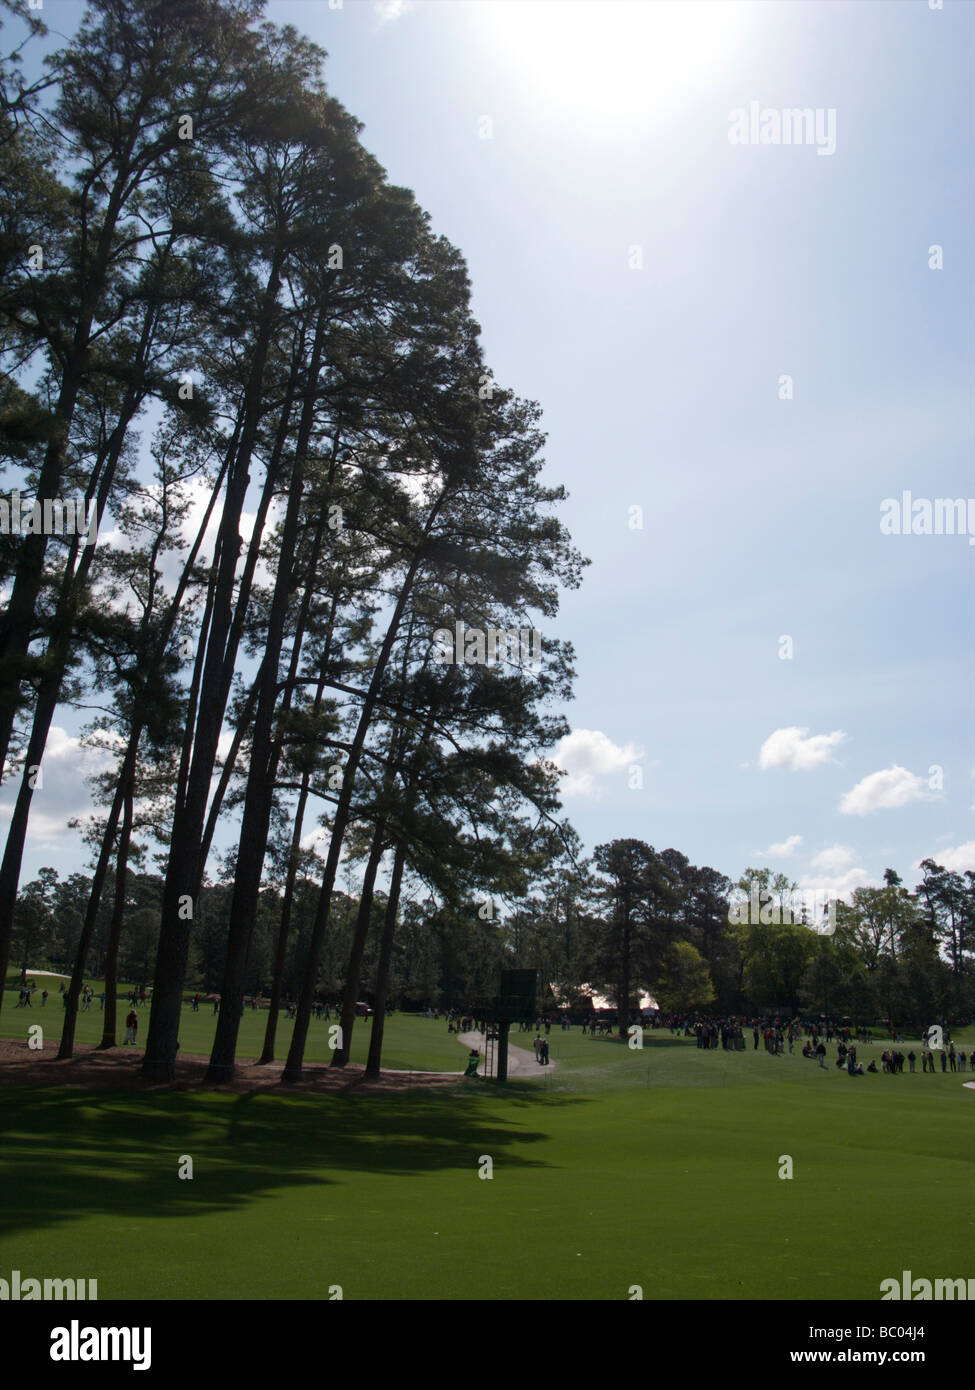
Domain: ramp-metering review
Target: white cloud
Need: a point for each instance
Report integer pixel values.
(317, 840)
(387, 11)
(886, 790)
(62, 792)
(839, 885)
(956, 861)
(60, 745)
(834, 859)
(586, 754)
(46, 831)
(782, 851)
(790, 748)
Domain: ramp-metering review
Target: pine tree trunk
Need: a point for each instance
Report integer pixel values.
(17, 622)
(115, 928)
(122, 798)
(71, 588)
(260, 781)
(94, 902)
(382, 969)
(284, 927)
(624, 1002)
(363, 918)
(184, 873)
(296, 1052)
(56, 661)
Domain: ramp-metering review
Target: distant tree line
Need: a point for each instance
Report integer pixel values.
(628, 922)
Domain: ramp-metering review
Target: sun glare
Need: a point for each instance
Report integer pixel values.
(610, 60)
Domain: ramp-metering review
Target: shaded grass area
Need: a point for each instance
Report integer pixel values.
(599, 1181)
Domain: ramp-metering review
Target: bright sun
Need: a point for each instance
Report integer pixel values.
(610, 60)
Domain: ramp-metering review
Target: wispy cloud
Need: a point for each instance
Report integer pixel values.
(785, 849)
(388, 11)
(834, 859)
(957, 861)
(839, 885)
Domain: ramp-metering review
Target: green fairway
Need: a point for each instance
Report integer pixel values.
(656, 1167)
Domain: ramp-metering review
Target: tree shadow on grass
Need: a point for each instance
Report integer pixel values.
(65, 1154)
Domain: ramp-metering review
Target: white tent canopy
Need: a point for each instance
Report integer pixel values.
(603, 1001)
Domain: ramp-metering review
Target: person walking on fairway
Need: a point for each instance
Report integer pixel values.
(131, 1025)
(538, 1048)
(544, 1051)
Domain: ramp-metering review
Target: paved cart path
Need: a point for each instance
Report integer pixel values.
(520, 1062)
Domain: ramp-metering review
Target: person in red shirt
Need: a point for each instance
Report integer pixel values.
(131, 1024)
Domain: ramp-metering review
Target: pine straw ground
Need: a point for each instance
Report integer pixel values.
(118, 1069)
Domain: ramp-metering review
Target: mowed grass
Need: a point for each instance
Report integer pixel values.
(656, 1167)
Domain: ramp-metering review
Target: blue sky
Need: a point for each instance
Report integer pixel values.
(650, 283)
